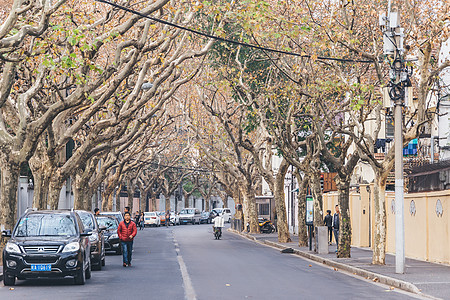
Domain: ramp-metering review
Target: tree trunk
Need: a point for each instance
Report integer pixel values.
(166, 202)
(117, 193)
(280, 205)
(225, 201)
(54, 192)
(379, 245)
(318, 202)
(207, 203)
(8, 198)
(130, 193)
(250, 211)
(186, 199)
(40, 194)
(143, 200)
(345, 230)
(301, 197)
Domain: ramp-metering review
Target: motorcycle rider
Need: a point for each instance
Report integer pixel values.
(218, 224)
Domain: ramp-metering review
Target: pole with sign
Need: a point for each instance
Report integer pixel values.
(309, 219)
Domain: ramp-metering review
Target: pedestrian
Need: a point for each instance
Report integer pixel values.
(127, 231)
(137, 216)
(127, 209)
(96, 211)
(336, 227)
(167, 218)
(328, 221)
(141, 221)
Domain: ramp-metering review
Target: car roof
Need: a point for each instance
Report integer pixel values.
(52, 212)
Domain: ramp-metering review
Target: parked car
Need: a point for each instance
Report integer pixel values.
(174, 218)
(47, 244)
(151, 218)
(97, 239)
(224, 212)
(162, 217)
(117, 214)
(190, 215)
(112, 242)
(206, 217)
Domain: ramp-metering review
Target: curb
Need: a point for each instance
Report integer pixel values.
(397, 283)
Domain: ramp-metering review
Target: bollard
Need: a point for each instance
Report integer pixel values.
(321, 237)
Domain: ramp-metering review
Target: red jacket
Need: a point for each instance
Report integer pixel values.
(124, 232)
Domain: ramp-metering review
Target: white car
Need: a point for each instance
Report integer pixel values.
(174, 218)
(224, 212)
(151, 219)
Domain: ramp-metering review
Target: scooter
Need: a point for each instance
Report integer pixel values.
(217, 231)
(265, 226)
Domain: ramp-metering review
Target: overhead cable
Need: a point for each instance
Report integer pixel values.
(217, 38)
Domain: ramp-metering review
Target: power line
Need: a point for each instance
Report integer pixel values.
(217, 38)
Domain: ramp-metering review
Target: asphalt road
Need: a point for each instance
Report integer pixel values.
(185, 262)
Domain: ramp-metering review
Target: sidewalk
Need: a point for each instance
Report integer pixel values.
(425, 278)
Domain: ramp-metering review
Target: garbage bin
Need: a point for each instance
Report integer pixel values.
(321, 237)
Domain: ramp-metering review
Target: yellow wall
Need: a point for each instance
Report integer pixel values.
(427, 235)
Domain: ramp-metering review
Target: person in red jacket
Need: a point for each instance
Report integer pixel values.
(127, 231)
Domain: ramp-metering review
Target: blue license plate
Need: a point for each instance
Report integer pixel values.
(41, 267)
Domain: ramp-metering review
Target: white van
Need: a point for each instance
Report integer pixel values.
(224, 212)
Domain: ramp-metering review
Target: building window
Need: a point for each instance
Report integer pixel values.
(264, 209)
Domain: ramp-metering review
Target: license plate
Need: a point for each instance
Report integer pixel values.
(41, 267)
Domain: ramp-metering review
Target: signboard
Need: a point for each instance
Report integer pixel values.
(309, 210)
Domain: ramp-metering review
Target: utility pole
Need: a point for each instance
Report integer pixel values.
(399, 79)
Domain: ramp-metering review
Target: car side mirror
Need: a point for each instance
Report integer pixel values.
(86, 232)
(6, 233)
(102, 228)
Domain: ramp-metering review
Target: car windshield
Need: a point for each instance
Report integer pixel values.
(117, 215)
(88, 221)
(109, 223)
(205, 214)
(150, 214)
(46, 225)
(186, 211)
(218, 210)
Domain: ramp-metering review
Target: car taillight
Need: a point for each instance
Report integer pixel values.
(153, 217)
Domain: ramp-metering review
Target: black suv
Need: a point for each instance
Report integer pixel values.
(96, 238)
(47, 244)
(112, 242)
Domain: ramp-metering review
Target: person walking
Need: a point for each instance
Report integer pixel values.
(336, 227)
(167, 218)
(141, 221)
(137, 216)
(127, 230)
(328, 221)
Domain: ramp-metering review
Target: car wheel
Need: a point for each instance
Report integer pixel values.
(89, 270)
(8, 280)
(97, 267)
(80, 278)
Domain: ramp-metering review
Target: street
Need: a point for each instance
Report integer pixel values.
(185, 262)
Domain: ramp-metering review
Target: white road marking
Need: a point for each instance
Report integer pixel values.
(189, 291)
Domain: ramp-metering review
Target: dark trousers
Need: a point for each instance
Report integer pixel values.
(330, 233)
(127, 249)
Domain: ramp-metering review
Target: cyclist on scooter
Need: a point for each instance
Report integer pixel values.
(217, 228)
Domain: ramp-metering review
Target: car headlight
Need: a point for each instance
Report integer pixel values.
(72, 247)
(114, 236)
(93, 237)
(12, 248)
